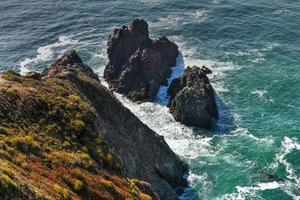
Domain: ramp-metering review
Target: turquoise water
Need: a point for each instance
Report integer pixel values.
(253, 48)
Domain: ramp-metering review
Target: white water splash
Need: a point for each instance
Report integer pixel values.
(219, 69)
(45, 53)
(250, 192)
(288, 146)
(178, 19)
(262, 94)
(177, 71)
(255, 55)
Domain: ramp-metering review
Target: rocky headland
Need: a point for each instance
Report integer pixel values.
(65, 136)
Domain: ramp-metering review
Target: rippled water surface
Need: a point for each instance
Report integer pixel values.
(253, 48)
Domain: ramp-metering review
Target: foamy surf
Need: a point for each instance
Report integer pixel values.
(45, 53)
(179, 19)
(220, 69)
(288, 146)
(177, 71)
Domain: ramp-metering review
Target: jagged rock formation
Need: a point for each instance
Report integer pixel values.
(192, 99)
(138, 65)
(65, 136)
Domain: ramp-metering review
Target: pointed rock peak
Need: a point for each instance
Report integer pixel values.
(68, 58)
(198, 70)
(139, 27)
(206, 70)
(69, 61)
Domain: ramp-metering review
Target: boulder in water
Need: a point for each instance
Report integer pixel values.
(192, 98)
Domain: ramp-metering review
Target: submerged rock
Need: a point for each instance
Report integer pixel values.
(137, 64)
(68, 128)
(271, 177)
(192, 99)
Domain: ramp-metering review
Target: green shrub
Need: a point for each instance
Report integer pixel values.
(6, 183)
(4, 154)
(3, 131)
(77, 125)
(25, 144)
(63, 193)
(10, 75)
(76, 184)
(9, 92)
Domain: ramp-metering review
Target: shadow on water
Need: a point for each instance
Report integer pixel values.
(190, 194)
(223, 125)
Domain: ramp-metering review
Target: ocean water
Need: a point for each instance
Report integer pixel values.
(253, 49)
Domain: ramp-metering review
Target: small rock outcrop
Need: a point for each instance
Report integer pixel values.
(78, 140)
(70, 61)
(137, 64)
(192, 99)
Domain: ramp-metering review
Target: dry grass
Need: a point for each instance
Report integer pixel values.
(50, 147)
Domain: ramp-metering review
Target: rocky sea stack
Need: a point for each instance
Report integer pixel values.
(192, 98)
(138, 65)
(65, 136)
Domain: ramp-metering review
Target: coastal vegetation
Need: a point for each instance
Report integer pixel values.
(49, 148)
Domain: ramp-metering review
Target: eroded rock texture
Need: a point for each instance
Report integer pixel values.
(137, 64)
(192, 99)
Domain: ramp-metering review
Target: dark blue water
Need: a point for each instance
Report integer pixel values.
(253, 48)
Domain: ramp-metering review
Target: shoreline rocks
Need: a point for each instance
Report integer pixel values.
(138, 65)
(192, 99)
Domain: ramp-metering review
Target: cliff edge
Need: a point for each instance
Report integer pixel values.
(65, 136)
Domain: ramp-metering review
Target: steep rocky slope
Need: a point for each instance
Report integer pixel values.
(65, 136)
(137, 64)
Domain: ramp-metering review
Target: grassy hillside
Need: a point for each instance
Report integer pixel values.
(50, 147)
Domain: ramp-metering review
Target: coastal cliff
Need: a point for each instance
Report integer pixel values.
(65, 136)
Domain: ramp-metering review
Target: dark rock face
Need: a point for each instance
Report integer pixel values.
(138, 65)
(192, 99)
(145, 155)
(68, 62)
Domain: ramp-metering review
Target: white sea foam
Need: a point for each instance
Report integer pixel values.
(178, 19)
(288, 145)
(102, 57)
(152, 2)
(262, 94)
(177, 71)
(250, 192)
(205, 180)
(220, 69)
(45, 53)
(259, 93)
(281, 11)
(255, 55)
(292, 184)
